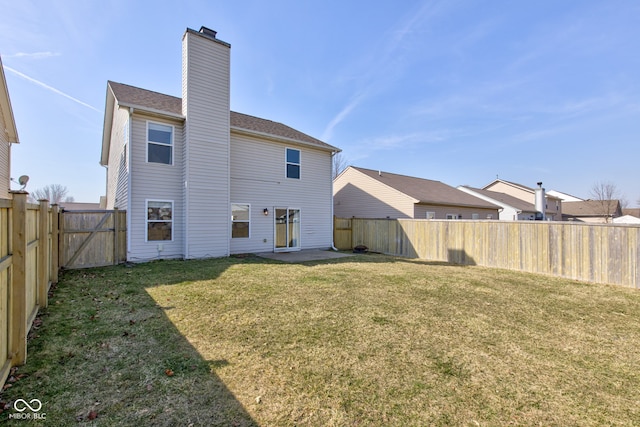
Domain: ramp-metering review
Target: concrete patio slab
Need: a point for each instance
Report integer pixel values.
(304, 255)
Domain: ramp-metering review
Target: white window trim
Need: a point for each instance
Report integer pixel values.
(147, 220)
(247, 221)
(286, 163)
(451, 216)
(173, 133)
(433, 215)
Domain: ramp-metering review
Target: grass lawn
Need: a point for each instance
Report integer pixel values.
(364, 341)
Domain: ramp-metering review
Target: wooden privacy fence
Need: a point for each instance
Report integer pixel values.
(603, 253)
(36, 240)
(28, 266)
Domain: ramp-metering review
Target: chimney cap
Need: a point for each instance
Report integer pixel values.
(208, 32)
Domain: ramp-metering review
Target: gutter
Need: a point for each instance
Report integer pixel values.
(333, 225)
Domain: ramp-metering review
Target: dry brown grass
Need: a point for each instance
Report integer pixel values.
(370, 340)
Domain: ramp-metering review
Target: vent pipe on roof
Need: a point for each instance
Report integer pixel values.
(379, 173)
(540, 202)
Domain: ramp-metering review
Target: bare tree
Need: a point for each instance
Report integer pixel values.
(340, 163)
(55, 193)
(606, 195)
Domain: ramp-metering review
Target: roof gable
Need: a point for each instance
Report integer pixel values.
(518, 186)
(6, 110)
(426, 191)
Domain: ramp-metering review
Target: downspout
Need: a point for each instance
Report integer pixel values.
(129, 184)
(333, 225)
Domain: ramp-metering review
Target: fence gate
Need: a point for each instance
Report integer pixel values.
(92, 238)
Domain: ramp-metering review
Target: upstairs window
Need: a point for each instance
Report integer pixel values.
(159, 143)
(293, 163)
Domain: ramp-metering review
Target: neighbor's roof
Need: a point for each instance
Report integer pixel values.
(631, 211)
(522, 187)
(427, 191)
(136, 97)
(6, 110)
(508, 200)
(589, 208)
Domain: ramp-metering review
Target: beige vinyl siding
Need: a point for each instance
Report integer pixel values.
(205, 103)
(117, 173)
(354, 197)
(502, 187)
(442, 211)
(5, 160)
(154, 181)
(258, 178)
(551, 212)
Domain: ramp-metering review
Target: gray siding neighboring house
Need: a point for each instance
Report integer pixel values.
(512, 208)
(199, 180)
(553, 209)
(366, 193)
(8, 136)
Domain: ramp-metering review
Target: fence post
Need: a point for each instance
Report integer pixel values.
(55, 262)
(116, 235)
(43, 254)
(17, 293)
(61, 248)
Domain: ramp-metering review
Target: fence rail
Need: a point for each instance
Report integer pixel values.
(36, 240)
(603, 253)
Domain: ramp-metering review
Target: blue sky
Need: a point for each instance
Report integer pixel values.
(455, 91)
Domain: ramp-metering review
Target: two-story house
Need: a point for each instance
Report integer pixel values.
(8, 136)
(198, 180)
(552, 205)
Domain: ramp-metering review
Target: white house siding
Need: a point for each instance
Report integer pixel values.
(117, 173)
(258, 178)
(463, 212)
(154, 181)
(353, 196)
(5, 163)
(205, 104)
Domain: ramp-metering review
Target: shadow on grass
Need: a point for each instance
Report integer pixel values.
(107, 354)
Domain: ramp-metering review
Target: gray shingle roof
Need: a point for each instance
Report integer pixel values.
(154, 101)
(589, 208)
(427, 191)
(514, 202)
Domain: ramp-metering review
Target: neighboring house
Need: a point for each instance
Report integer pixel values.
(198, 180)
(512, 208)
(593, 211)
(553, 205)
(366, 193)
(8, 136)
(631, 211)
(626, 219)
(564, 196)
